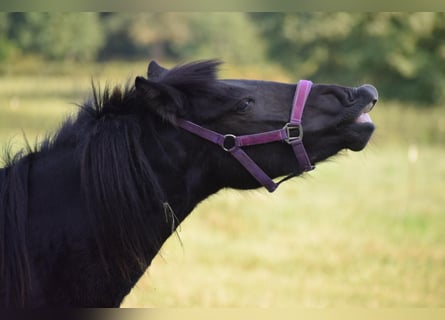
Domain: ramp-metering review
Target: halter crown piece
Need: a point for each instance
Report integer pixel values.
(291, 133)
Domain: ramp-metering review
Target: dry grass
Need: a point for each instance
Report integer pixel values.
(351, 234)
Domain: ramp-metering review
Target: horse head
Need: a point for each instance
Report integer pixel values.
(334, 117)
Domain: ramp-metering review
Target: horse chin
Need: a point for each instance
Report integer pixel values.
(358, 135)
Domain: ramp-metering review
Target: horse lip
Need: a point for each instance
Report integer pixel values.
(368, 107)
(363, 117)
(352, 117)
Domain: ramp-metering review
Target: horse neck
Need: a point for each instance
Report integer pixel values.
(185, 170)
(62, 219)
(160, 178)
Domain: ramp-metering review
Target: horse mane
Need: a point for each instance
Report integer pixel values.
(121, 189)
(122, 193)
(14, 266)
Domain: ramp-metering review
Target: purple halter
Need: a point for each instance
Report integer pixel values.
(291, 133)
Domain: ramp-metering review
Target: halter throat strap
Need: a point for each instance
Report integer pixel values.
(291, 133)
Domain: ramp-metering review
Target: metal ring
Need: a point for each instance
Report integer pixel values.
(229, 144)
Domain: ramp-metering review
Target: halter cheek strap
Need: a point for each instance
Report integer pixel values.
(291, 133)
(300, 97)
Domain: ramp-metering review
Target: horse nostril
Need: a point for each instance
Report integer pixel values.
(371, 91)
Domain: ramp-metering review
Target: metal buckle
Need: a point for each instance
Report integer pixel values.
(229, 142)
(294, 131)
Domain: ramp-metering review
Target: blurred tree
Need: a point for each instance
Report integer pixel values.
(183, 36)
(144, 34)
(58, 36)
(7, 48)
(119, 41)
(228, 36)
(402, 53)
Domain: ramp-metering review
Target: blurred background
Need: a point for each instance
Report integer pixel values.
(366, 229)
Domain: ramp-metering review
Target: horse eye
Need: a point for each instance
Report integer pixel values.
(243, 105)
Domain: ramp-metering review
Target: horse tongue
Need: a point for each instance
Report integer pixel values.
(364, 117)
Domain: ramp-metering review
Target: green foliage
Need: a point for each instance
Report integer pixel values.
(182, 36)
(232, 38)
(6, 47)
(403, 54)
(57, 36)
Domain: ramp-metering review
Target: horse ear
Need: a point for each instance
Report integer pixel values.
(162, 99)
(150, 89)
(155, 71)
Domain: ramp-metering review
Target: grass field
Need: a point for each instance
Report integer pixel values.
(366, 229)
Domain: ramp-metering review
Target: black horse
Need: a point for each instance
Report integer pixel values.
(83, 214)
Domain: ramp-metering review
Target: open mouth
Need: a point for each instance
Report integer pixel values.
(361, 129)
(358, 116)
(359, 126)
(364, 116)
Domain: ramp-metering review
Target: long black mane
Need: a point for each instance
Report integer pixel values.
(14, 264)
(120, 190)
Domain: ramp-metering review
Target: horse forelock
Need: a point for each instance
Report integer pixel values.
(198, 75)
(194, 78)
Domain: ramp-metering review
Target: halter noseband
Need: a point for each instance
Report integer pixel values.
(291, 133)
